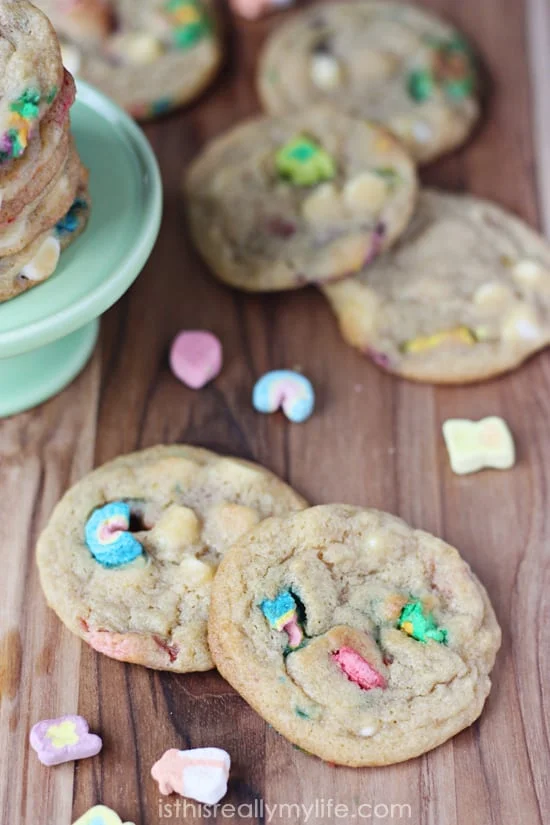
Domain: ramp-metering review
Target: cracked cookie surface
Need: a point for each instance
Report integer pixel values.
(360, 639)
(187, 506)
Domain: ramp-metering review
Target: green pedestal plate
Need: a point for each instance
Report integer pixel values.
(48, 334)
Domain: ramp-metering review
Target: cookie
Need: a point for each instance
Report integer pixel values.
(183, 507)
(29, 85)
(44, 212)
(22, 180)
(392, 63)
(150, 56)
(38, 261)
(277, 203)
(463, 296)
(360, 639)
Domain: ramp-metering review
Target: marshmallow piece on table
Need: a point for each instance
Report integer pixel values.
(200, 773)
(63, 740)
(196, 357)
(475, 445)
(289, 390)
(100, 815)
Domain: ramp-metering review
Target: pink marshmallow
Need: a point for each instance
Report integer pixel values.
(358, 669)
(196, 357)
(252, 9)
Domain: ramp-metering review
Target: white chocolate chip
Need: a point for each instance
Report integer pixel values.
(422, 131)
(528, 271)
(44, 262)
(365, 193)
(521, 323)
(325, 72)
(138, 48)
(177, 528)
(233, 520)
(323, 205)
(72, 58)
(368, 730)
(193, 572)
(493, 293)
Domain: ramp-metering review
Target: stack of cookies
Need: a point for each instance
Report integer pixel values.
(44, 200)
(149, 56)
(431, 286)
(361, 640)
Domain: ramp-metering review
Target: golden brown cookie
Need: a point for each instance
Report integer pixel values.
(39, 260)
(463, 296)
(279, 203)
(149, 56)
(393, 63)
(361, 640)
(128, 557)
(29, 84)
(22, 180)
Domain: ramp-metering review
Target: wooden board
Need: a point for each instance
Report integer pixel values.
(374, 440)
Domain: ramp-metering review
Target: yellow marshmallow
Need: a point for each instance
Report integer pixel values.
(459, 335)
(177, 528)
(474, 445)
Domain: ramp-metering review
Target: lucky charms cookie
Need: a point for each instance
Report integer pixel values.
(360, 639)
(31, 74)
(128, 557)
(150, 56)
(463, 296)
(44, 200)
(393, 63)
(278, 203)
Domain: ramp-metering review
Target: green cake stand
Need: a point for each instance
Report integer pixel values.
(48, 334)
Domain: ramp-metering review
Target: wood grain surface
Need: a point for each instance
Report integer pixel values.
(374, 440)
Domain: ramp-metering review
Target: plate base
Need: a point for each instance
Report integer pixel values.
(29, 379)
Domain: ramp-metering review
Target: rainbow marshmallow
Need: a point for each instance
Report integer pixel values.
(289, 390)
(282, 614)
(107, 535)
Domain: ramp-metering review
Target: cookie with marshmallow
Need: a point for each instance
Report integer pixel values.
(463, 296)
(129, 555)
(278, 203)
(149, 56)
(360, 639)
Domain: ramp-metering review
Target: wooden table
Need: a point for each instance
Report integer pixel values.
(374, 440)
